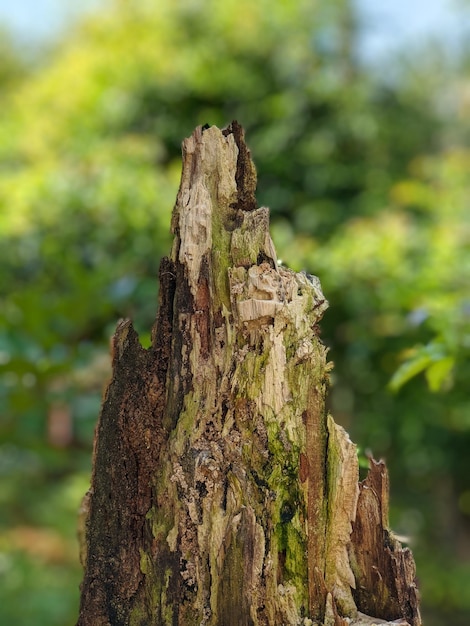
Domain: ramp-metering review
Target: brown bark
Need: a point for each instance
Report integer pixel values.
(222, 493)
(384, 571)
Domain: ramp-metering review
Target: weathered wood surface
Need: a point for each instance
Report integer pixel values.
(222, 493)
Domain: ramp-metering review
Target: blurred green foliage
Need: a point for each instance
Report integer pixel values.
(367, 180)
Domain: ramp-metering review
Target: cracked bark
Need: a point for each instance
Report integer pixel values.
(222, 493)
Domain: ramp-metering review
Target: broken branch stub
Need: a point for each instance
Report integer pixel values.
(222, 493)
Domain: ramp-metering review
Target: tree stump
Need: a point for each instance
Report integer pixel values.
(222, 492)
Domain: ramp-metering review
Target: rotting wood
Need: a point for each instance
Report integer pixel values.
(222, 493)
(384, 571)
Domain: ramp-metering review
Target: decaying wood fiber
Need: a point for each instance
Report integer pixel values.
(222, 492)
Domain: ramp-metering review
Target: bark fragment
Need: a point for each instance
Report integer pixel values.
(384, 571)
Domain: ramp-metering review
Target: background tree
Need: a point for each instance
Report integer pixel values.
(366, 179)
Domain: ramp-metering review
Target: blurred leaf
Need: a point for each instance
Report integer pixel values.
(413, 366)
(432, 360)
(438, 373)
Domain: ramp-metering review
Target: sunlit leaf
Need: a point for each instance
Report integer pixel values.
(415, 365)
(438, 373)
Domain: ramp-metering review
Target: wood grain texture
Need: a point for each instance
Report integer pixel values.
(384, 571)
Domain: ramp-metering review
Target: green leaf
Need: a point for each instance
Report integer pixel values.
(407, 370)
(431, 359)
(438, 373)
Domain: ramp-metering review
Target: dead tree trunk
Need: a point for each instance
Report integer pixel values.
(222, 491)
